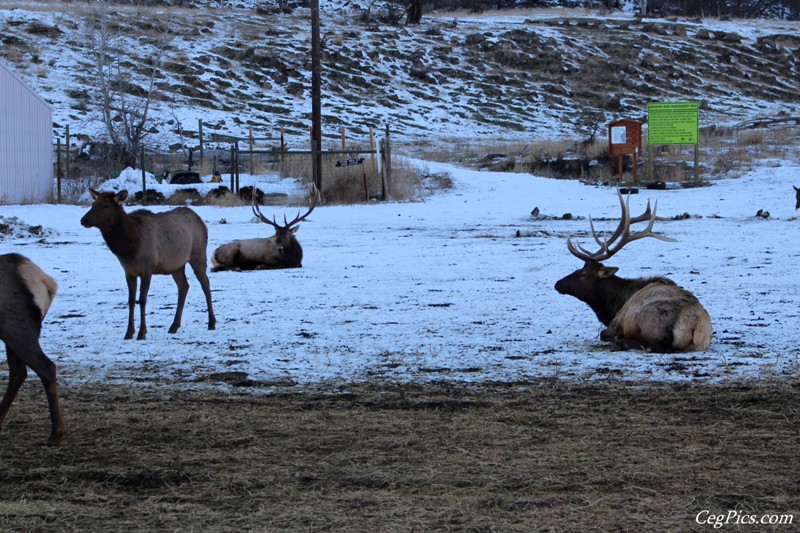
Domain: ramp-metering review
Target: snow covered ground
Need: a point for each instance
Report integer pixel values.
(437, 290)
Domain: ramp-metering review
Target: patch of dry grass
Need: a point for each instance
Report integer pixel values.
(440, 457)
(724, 152)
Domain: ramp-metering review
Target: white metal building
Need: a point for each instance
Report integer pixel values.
(26, 142)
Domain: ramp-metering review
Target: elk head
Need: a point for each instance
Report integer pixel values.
(284, 233)
(105, 209)
(596, 284)
(797, 193)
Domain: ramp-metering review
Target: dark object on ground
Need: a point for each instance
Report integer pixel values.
(182, 177)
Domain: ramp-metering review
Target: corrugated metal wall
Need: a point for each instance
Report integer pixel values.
(26, 143)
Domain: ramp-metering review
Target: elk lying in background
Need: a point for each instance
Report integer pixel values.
(282, 250)
(25, 296)
(797, 193)
(647, 313)
(147, 243)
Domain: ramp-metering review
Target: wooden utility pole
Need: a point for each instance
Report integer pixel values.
(316, 97)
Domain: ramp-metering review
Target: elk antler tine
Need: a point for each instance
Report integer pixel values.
(594, 233)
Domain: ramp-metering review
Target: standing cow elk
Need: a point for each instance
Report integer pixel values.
(282, 250)
(25, 296)
(147, 243)
(652, 314)
(797, 194)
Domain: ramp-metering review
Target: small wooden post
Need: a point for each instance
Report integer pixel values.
(251, 150)
(236, 151)
(200, 135)
(344, 144)
(697, 160)
(58, 170)
(366, 185)
(372, 149)
(144, 182)
(233, 166)
(67, 152)
(387, 165)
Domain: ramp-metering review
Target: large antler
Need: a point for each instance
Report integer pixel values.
(623, 231)
(312, 202)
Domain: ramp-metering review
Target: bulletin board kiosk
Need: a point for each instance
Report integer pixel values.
(625, 138)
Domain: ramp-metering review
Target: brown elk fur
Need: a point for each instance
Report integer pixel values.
(282, 250)
(25, 297)
(259, 253)
(652, 314)
(147, 243)
(797, 194)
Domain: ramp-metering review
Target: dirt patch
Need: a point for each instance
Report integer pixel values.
(441, 457)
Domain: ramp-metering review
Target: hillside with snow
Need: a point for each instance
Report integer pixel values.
(522, 74)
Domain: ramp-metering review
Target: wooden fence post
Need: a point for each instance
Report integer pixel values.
(200, 134)
(68, 150)
(372, 149)
(233, 165)
(58, 170)
(236, 151)
(388, 164)
(144, 183)
(251, 151)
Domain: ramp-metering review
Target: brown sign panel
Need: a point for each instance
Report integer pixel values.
(624, 137)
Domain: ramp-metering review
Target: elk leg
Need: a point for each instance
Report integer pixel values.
(144, 288)
(27, 352)
(16, 376)
(183, 288)
(131, 280)
(46, 370)
(199, 269)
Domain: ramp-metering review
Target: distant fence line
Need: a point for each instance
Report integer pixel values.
(238, 156)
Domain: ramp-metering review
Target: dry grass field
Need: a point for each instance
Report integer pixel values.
(442, 457)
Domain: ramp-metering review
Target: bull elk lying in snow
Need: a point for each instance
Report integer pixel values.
(652, 314)
(282, 250)
(147, 243)
(25, 296)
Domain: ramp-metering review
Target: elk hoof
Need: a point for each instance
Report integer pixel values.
(53, 440)
(128, 336)
(141, 336)
(174, 329)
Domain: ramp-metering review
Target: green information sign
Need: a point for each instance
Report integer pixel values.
(672, 122)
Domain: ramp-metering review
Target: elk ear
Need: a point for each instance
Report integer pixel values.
(294, 230)
(121, 196)
(94, 194)
(795, 188)
(606, 272)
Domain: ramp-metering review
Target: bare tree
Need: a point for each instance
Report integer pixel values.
(125, 90)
